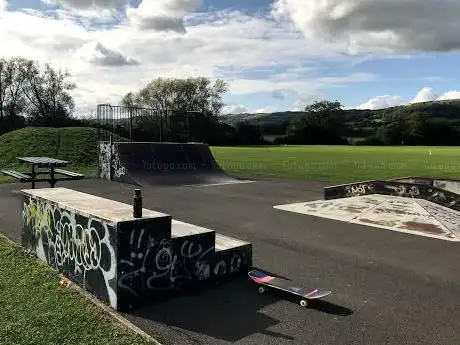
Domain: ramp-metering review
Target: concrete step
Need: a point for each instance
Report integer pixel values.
(193, 248)
(232, 256)
(226, 242)
(225, 255)
(182, 229)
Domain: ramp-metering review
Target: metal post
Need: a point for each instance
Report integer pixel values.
(130, 124)
(110, 158)
(33, 174)
(137, 204)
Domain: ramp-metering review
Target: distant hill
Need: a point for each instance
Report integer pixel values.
(364, 120)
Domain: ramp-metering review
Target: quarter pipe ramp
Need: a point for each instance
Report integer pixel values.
(153, 163)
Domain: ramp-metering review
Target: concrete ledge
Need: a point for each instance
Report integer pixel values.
(394, 187)
(123, 261)
(90, 205)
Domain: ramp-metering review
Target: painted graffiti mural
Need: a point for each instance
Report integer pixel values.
(359, 189)
(350, 190)
(109, 159)
(148, 264)
(127, 262)
(407, 190)
(76, 246)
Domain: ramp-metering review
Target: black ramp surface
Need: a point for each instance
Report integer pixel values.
(388, 287)
(170, 164)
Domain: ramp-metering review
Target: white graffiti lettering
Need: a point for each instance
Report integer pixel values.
(404, 190)
(61, 241)
(356, 190)
(109, 159)
(158, 267)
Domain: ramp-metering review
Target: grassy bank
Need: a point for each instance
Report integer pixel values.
(78, 145)
(36, 310)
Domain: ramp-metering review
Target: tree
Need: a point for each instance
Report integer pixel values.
(47, 91)
(322, 123)
(170, 94)
(417, 127)
(188, 109)
(394, 133)
(12, 101)
(327, 115)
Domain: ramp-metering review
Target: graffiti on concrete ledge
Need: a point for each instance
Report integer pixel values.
(404, 190)
(79, 247)
(152, 264)
(359, 189)
(109, 159)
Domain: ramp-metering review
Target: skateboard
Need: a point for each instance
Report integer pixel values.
(264, 280)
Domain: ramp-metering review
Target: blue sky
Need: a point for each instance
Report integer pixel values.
(276, 55)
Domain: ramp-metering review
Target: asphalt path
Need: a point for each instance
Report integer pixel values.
(388, 287)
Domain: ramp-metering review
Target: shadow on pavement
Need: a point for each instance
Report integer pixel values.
(330, 308)
(229, 312)
(321, 305)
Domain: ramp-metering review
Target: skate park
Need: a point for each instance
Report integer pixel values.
(387, 249)
(397, 282)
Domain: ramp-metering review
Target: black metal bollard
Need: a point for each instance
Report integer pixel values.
(137, 204)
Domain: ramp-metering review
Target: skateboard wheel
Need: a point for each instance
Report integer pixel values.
(261, 289)
(303, 303)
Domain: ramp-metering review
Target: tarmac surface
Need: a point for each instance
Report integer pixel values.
(388, 287)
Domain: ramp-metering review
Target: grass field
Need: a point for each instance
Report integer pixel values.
(340, 163)
(35, 310)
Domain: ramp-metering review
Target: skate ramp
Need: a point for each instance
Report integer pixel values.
(425, 206)
(151, 163)
(407, 215)
(444, 183)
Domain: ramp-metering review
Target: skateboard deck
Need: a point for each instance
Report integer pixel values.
(265, 280)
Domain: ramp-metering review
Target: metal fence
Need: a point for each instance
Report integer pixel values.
(143, 124)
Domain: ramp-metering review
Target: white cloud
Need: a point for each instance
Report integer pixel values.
(265, 110)
(98, 54)
(158, 15)
(235, 109)
(219, 44)
(376, 25)
(278, 94)
(426, 94)
(88, 4)
(381, 102)
(3, 5)
(450, 95)
(163, 15)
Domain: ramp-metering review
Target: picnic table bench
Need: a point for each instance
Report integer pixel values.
(52, 166)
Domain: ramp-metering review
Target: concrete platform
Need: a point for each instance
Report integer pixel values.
(410, 216)
(124, 261)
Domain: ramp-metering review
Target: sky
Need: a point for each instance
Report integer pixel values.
(276, 55)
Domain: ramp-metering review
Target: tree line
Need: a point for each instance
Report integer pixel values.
(326, 122)
(34, 95)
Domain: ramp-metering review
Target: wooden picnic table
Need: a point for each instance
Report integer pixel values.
(51, 165)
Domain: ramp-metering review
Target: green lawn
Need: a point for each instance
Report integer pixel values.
(339, 163)
(35, 310)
